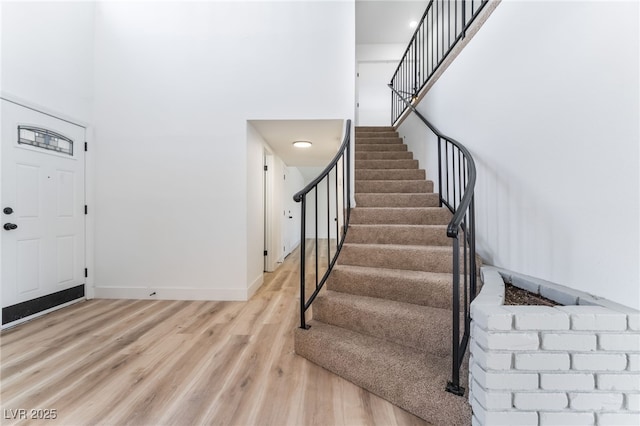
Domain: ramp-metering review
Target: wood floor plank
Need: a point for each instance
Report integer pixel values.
(122, 372)
(241, 387)
(78, 370)
(53, 359)
(55, 334)
(33, 329)
(166, 386)
(121, 362)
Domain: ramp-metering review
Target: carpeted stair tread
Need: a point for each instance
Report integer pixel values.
(401, 216)
(378, 140)
(386, 164)
(417, 287)
(399, 234)
(376, 129)
(398, 322)
(406, 377)
(390, 174)
(384, 147)
(382, 199)
(394, 186)
(378, 134)
(384, 155)
(393, 256)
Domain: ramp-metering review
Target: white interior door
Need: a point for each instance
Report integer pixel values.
(293, 184)
(374, 96)
(43, 222)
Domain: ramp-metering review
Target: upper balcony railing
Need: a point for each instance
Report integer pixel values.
(443, 24)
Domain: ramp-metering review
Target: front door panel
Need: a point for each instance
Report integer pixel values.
(43, 256)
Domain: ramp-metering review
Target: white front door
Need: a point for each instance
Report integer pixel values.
(43, 212)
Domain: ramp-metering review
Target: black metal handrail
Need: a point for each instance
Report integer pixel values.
(456, 184)
(340, 163)
(443, 24)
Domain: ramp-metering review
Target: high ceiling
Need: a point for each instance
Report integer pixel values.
(387, 21)
(377, 21)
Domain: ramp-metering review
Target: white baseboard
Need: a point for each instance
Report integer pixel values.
(170, 293)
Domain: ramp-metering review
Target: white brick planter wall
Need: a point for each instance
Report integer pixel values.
(564, 365)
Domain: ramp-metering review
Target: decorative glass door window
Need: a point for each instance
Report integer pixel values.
(46, 139)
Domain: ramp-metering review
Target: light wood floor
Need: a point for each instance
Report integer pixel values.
(126, 362)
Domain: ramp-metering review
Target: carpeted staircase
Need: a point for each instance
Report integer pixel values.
(384, 321)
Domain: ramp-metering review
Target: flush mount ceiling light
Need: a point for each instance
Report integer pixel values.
(302, 144)
(413, 24)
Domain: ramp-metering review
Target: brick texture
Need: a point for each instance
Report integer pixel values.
(567, 419)
(563, 365)
(541, 361)
(595, 401)
(567, 381)
(569, 342)
(599, 362)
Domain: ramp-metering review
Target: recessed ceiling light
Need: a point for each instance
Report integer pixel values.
(413, 24)
(302, 144)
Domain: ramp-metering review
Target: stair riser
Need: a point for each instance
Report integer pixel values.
(397, 200)
(374, 129)
(387, 134)
(386, 155)
(394, 186)
(407, 235)
(386, 164)
(381, 147)
(377, 141)
(404, 327)
(413, 216)
(390, 174)
(435, 292)
(427, 259)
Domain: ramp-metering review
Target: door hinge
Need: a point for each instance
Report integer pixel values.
(86, 209)
(86, 145)
(86, 272)
(265, 252)
(266, 168)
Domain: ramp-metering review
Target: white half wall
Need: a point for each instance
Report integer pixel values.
(175, 85)
(546, 97)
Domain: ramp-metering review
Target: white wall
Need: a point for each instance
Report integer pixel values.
(380, 52)
(175, 85)
(255, 204)
(376, 65)
(47, 56)
(546, 97)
